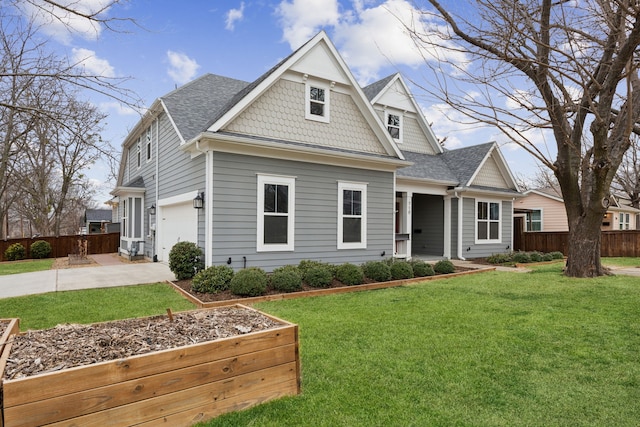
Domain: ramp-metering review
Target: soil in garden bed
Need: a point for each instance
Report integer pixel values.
(70, 345)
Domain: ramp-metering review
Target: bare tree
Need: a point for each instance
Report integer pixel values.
(569, 68)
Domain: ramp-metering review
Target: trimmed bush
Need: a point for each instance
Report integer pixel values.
(377, 271)
(547, 257)
(444, 267)
(185, 260)
(401, 270)
(15, 252)
(521, 257)
(319, 276)
(422, 269)
(307, 264)
(250, 282)
(557, 255)
(40, 249)
(535, 256)
(350, 274)
(213, 280)
(500, 258)
(286, 279)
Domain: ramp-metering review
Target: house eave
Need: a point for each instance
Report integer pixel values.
(415, 180)
(486, 192)
(264, 147)
(119, 191)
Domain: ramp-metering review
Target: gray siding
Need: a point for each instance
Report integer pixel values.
(428, 225)
(468, 231)
(454, 228)
(316, 188)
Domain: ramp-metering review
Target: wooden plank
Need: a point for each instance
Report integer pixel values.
(94, 400)
(232, 404)
(12, 328)
(251, 385)
(49, 385)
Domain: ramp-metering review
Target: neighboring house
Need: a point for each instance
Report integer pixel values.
(304, 164)
(96, 221)
(543, 210)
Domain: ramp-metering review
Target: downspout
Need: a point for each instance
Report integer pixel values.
(157, 183)
(460, 216)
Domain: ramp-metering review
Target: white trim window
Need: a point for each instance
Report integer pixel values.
(317, 102)
(276, 213)
(139, 152)
(488, 221)
(394, 126)
(148, 144)
(534, 220)
(352, 215)
(624, 221)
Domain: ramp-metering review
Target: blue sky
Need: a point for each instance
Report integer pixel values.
(177, 41)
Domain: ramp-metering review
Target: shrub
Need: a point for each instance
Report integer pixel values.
(212, 280)
(521, 257)
(287, 279)
(40, 249)
(350, 274)
(444, 267)
(319, 276)
(185, 260)
(307, 264)
(15, 252)
(535, 256)
(547, 257)
(250, 282)
(422, 269)
(377, 271)
(557, 255)
(401, 270)
(500, 258)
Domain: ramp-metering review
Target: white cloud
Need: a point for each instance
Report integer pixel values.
(91, 63)
(63, 25)
(301, 19)
(234, 15)
(181, 68)
(120, 109)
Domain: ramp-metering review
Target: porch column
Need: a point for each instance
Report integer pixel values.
(407, 199)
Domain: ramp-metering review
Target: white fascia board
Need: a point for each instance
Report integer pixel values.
(237, 144)
(476, 192)
(480, 165)
(540, 193)
(173, 124)
(127, 190)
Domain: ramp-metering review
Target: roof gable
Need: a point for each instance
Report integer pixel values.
(468, 163)
(320, 59)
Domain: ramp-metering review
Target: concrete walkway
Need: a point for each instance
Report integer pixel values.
(109, 273)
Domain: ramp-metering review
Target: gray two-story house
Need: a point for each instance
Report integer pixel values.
(303, 163)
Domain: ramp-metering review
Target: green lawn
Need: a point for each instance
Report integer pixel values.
(93, 305)
(621, 262)
(17, 267)
(494, 349)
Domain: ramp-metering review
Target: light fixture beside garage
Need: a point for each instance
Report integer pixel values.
(198, 202)
(152, 210)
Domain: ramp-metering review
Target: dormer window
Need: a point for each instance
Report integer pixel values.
(394, 126)
(317, 102)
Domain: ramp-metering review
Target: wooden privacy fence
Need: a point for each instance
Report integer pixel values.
(624, 243)
(62, 246)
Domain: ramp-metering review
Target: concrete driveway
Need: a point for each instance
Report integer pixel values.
(109, 272)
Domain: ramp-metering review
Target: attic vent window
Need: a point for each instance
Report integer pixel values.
(317, 102)
(394, 126)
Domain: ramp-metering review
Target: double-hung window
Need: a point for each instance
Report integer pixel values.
(488, 223)
(534, 220)
(624, 221)
(148, 141)
(138, 152)
(394, 126)
(276, 213)
(352, 215)
(317, 105)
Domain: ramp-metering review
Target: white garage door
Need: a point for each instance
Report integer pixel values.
(179, 223)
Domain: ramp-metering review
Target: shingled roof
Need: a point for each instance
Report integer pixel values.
(464, 162)
(374, 88)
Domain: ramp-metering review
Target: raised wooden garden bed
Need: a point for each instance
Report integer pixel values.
(173, 387)
(8, 328)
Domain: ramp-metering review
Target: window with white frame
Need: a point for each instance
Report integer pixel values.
(276, 213)
(488, 223)
(317, 102)
(352, 215)
(125, 219)
(534, 220)
(148, 144)
(138, 152)
(394, 126)
(624, 221)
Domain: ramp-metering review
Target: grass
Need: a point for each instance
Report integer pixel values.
(495, 349)
(93, 305)
(30, 266)
(621, 262)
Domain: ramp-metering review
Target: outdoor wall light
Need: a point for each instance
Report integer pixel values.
(198, 202)
(152, 210)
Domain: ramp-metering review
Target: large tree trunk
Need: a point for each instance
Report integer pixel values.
(583, 258)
